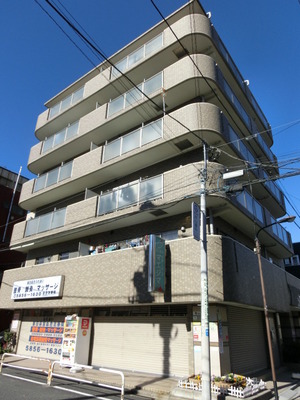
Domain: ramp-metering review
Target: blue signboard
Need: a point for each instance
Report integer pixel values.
(196, 221)
(157, 264)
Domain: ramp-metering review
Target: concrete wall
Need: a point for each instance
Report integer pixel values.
(120, 278)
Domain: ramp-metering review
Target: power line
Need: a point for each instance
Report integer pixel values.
(104, 57)
(101, 53)
(81, 51)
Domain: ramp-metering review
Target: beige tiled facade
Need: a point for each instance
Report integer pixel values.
(201, 98)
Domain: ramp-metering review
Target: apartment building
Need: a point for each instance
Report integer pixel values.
(10, 213)
(119, 159)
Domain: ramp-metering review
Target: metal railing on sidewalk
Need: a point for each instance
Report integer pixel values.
(21, 357)
(76, 367)
(90, 367)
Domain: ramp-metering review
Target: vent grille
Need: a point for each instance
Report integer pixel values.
(158, 213)
(184, 144)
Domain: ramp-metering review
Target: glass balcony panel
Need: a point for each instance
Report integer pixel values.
(58, 218)
(280, 232)
(112, 150)
(274, 227)
(115, 105)
(243, 150)
(154, 45)
(72, 130)
(128, 195)
(52, 177)
(54, 110)
(249, 203)
(234, 100)
(78, 95)
(45, 222)
(31, 227)
(59, 137)
(238, 75)
(121, 66)
(40, 183)
(285, 236)
(65, 171)
(65, 103)
(107, 203)
(233, 138)
(131, 141)
(259, 213)
(48, 144)
(251, 158)
(151, 188)
(240, 197)
(135, 56)
(133, 96)
(153, 84)
(152, 132)
(227, 90)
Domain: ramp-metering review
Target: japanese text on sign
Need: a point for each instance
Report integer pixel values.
(38, 288)
(45, 338)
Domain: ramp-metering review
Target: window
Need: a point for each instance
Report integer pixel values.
(169, 235)
(64, 256)
(42, 260)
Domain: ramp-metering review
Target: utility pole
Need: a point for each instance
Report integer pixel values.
(205, 345)
(289, 218)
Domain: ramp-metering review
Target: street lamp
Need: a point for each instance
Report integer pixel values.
(285, 219)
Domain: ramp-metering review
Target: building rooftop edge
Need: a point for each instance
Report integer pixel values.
(93, 72)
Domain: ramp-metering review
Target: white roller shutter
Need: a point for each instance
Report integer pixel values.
(149, 344)
(247, 340)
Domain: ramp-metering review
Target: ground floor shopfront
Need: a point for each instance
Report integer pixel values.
(156, 332)
(164, 340)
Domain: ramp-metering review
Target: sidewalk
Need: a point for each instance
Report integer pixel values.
(158, 387)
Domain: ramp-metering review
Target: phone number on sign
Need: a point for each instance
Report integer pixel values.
(38, 349)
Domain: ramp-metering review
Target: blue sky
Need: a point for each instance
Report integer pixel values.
(38, 61)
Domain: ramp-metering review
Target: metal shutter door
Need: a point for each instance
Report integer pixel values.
(247, 340)
(149, 344)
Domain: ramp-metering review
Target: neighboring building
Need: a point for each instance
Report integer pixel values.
(10, 213)
(292, 264)
(115, 165)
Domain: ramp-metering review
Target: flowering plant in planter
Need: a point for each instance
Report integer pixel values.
(229, 380)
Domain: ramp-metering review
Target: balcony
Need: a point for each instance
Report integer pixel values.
(101, 164)
(233, 277)
(179, 188)
(150, 144)
(180, 81)
(140, 64)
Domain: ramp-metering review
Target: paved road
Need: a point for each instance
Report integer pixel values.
(19, 385)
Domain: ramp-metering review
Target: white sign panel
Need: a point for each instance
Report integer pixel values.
(40, 338)
(38, 288)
